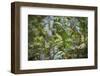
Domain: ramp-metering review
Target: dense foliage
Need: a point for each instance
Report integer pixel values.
(57, 37)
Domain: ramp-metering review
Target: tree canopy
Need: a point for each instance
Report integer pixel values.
(57, 37)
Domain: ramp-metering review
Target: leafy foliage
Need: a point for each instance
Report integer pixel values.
(57, 37)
